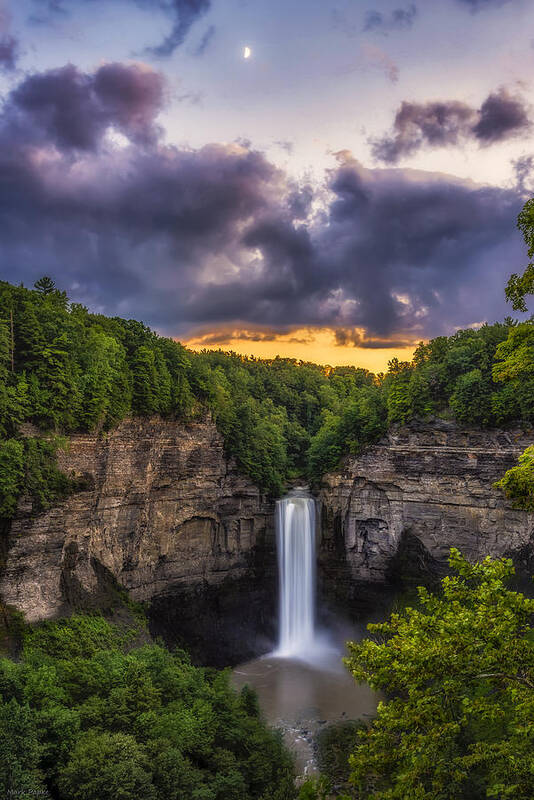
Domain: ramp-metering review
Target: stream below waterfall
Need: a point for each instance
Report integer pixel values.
(303, 685)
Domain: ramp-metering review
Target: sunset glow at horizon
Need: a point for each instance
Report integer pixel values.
(317, 346)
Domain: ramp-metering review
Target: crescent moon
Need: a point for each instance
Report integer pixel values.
(247, 52)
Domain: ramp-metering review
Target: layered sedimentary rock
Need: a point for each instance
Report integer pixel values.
(405, 502)
(167, 516)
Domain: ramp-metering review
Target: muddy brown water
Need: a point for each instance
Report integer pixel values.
(300, 697)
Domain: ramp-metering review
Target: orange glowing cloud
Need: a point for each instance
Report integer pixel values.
(335, 347)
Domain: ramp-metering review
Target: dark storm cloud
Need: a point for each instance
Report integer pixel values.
(410, 247)
(183, 13)
(223, 335)
(424, 124)
(73, 110)
(220, 237)
(399, 255)
(132, 227)
(398, 19)
(442, 124)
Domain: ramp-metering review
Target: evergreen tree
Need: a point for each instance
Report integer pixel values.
(145, 382)
(45, 285)
(29, 337)
(163, 382)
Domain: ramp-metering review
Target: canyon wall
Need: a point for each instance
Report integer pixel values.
(169, 518)
(397, 509)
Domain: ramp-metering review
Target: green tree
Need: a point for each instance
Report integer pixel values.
(58, 382)
(518, 482)
(398, 398)
(519, 286)
(104, 383)
(19, 752)
(164, 384)
(514, 357)
(29, 335)
(13, 388)
(45, 285)
(471, 399)
(326, 446)
(515, 368)
(459, 675)
(11, 475)
(112, 720)
(145, 382)
(419, 394)
(107, 766)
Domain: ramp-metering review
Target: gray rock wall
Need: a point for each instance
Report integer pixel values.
(423, 489)
(169, 518)
(166, 515)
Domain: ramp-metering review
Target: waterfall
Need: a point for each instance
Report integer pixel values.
(295, 534)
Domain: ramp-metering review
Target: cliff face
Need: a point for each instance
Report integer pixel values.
(168, 517)
(405, 502)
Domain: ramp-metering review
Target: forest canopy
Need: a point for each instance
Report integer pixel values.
(86, 712)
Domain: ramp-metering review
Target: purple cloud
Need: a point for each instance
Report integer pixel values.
(73, 110)
(447, 123)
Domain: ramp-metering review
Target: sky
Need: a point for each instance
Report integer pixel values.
(347, 190)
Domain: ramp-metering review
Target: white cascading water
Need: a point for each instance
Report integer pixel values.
(295, 533)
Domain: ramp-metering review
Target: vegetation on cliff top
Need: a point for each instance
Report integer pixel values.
(83, 715)
(64, 369)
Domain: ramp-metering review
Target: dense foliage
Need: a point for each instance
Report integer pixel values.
(518, 482)
(84, 715)
(459, 674)
(64, 369)
(334, 744)
(519, 286)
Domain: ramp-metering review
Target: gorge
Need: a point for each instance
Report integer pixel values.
(134, 471)
(166, 515)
